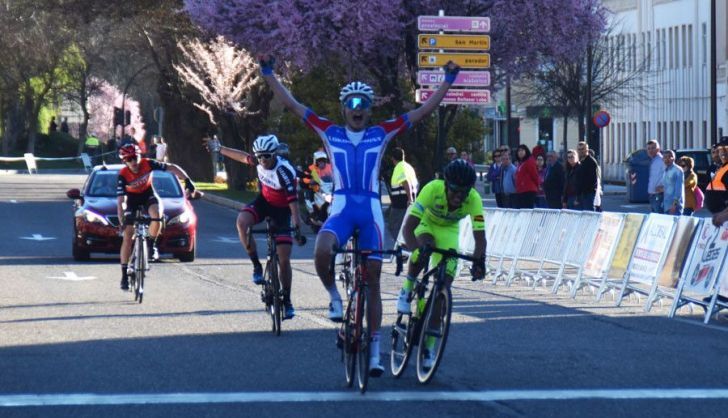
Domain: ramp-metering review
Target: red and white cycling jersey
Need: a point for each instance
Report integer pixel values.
(277, 185)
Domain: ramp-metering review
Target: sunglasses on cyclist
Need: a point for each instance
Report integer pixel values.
(266, 156)
(458, 189)
(130, 159)
(358, 103)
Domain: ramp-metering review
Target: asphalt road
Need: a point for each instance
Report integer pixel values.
(200, 343)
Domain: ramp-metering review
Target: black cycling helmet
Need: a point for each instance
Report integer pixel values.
(459, 175)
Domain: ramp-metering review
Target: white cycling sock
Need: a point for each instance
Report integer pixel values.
(374, 347)
(333, 293)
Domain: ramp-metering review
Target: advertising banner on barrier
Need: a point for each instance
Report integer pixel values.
(625, 246)
(711, 245)
(679, 246)
(598, 259)
(652, 243)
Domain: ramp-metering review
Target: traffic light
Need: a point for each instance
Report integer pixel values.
(127, 117)
(118, 117)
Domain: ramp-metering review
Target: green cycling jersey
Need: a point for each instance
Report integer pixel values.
(431, 207)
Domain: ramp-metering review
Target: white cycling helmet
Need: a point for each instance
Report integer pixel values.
(356, 87)
(319, 155)
(265, 143)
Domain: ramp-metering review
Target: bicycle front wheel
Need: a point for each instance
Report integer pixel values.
(402, 336)
(433, 335)
(350, 343)
(140, 266)
(275, 285)
(363, 346)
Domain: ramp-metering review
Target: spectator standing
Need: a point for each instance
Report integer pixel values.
(526, 179)
(570, 199)
(451, 154)
(716, 194)
(508, 180)
(553, 183)
(466, 156)
(673, 182)
(715, 163)
(64, 125)
(92, 144)
(494, 178)
(160, 149)
(657, 171)
(53, 126)
(589, 177)
(541, 168)
(600, 191)
(404, 186)
(691, 183)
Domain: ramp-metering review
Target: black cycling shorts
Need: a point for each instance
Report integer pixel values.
(280, 217)
(141, 201)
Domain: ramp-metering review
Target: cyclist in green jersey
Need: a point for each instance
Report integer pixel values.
(434, 221)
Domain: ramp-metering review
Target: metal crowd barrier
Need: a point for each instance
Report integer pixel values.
(658, 257)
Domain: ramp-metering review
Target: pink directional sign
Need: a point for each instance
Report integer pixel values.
(453, 24)
(463, 97)
(464, 78)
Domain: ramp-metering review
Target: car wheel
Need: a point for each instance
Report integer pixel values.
(79, 254)
(189, 256)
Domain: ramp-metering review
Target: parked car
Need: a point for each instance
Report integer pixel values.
(702, 163)
(96, 224)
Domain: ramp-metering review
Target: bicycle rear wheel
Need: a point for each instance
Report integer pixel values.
(347, 329)
(362, 336)
(435, 327)
(402, 343)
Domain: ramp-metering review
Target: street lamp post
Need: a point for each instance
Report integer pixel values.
(123, 96)
(713, 77)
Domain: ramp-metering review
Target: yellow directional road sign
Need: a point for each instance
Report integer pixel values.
(427, 59)
(464, 42)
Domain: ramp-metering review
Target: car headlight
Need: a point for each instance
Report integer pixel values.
(92, 217)
(182, 218)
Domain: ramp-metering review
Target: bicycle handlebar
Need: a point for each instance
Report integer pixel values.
(450, 253)
(396, 253)
(300, 239)
(144, 219)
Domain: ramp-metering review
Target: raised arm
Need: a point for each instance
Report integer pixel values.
(279, 91)
(416, 115)
(213, 145)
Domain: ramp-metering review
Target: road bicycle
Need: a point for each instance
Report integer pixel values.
(139, 263)
(429, 320)
(353, 337)
(272, 293)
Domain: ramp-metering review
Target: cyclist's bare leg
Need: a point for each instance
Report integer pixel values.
(243, 223)
(323, 251)
(284, 266)
(125, 253)
(154, 226)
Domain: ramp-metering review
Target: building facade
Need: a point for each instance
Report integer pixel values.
(674, 37)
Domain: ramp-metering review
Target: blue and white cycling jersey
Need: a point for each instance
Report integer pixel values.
(355, 159)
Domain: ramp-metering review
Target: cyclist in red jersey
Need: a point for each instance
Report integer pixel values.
(277, 200)
(134, 187)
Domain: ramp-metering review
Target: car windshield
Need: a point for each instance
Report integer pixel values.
(103, 184)
(702, 159)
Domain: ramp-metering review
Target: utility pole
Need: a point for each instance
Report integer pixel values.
(713, 78)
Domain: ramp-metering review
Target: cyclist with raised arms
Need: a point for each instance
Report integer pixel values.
(434, 221)
(277, 200)
(356, 151)
(134, 186)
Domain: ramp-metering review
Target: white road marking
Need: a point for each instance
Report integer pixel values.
(92, 399)
(13, 201)
(227, 240)
(38, 237)
(71, 276)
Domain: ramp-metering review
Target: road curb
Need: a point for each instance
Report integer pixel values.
(223, 201)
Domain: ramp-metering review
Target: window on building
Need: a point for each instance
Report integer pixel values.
(705, 43)
(690, 46)
(664, 49)
(691, 135)
(670, 51)
(648, 52)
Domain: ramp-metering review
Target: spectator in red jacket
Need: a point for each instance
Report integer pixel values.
(526, 179)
